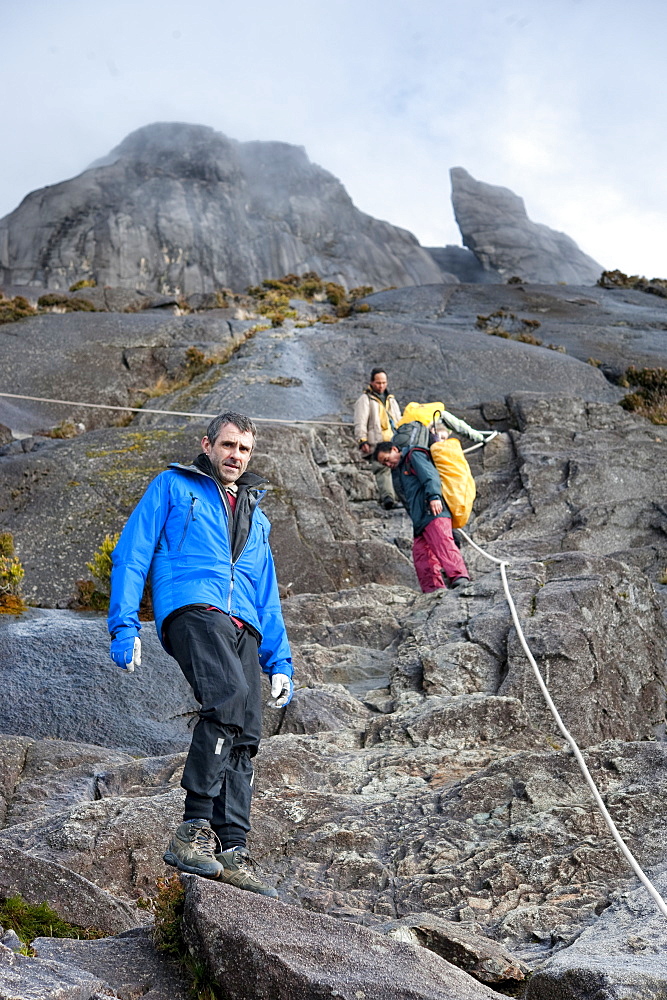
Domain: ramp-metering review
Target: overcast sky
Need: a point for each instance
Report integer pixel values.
(563, 101)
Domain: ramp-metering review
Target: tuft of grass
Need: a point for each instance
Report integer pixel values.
(11, 577)
(56, 300)
(84, 283)
(503, 323)
(528, 338)
(618, 279)
(30, 920)
(63, 431)
(168, 938)
(650, 396)
(12, 310)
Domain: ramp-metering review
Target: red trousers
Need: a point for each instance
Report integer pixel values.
(436, 555)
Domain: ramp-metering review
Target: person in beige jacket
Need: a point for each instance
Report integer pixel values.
(376, 414)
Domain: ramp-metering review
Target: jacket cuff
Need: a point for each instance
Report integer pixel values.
(282, 668)
(125, 632)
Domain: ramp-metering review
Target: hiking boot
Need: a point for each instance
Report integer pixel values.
(237, 870)
(192, 849)
(459, 581)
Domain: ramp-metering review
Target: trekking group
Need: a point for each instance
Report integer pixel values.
(419, 466)
(201, 537)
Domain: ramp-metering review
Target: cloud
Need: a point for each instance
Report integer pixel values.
(562, 100)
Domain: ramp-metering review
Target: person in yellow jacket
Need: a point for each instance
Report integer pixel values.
(376, 415)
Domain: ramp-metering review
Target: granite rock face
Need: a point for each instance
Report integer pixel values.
(623, 954)
(100, 358)
(495, 226)
(415, 789)
(459, 264)
(181, 208)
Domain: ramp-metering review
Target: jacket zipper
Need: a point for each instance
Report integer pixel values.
(232, 561)
(190, 517)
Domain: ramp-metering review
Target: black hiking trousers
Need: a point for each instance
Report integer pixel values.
(219, 660)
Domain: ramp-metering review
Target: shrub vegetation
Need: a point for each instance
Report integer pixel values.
(11, 577)
(14, 309)
(650, 395)
(618, 279)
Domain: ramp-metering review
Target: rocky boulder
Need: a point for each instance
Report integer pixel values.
(495, 226)
(61, 684)
(73, 898)
(182, 208)
(22, 978)
(291, 954)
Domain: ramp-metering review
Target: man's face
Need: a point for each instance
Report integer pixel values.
(390, 458)
(230, 452)
(379, 383)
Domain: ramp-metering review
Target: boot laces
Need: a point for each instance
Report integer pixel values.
(247, 863)
(205, 840)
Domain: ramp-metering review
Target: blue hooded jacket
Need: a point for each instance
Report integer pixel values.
(179, 533)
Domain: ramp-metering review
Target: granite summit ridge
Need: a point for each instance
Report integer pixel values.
(180, 208)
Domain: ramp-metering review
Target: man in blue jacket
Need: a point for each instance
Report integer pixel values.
(198, 531)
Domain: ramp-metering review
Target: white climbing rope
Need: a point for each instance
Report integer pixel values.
(171, 413)
(489, 435)
(622, 846)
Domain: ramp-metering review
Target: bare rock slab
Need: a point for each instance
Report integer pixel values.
(622, 955)
(23, 978)
(129, 965)
(59, 683)
(258, 948)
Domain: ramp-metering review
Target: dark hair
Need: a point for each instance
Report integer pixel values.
(377, 371)
(382, 448)
(239, 420)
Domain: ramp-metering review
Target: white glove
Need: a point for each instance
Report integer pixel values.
(281, 690)
(126, 653)
(136, 655)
